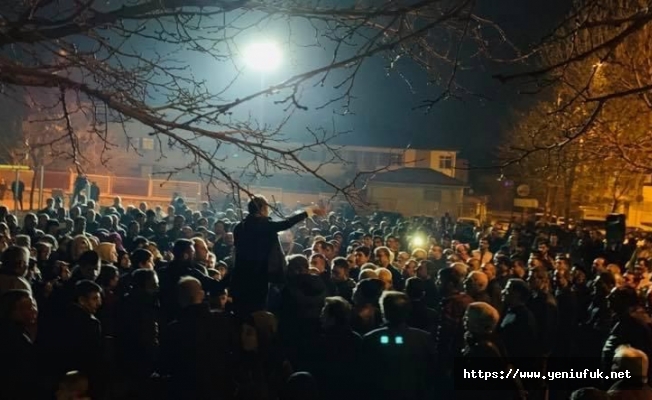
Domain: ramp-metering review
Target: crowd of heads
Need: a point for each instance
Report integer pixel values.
(95, 295)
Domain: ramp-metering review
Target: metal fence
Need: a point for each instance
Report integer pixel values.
(109, 185)
(167, 189)
(155, 191)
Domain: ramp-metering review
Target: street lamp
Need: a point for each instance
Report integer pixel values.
(262, 56)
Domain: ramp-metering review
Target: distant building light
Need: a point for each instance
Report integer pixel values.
(146, 144)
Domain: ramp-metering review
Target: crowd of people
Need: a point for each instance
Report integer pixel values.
(126, 302)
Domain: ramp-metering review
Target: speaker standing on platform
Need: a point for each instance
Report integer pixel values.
(259, 258)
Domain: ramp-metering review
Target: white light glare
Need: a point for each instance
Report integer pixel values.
(418, 241)
(262, 56)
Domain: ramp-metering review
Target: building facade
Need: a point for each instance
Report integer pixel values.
(416, 191)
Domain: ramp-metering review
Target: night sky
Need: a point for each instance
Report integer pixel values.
(473, 124)
(383, 114)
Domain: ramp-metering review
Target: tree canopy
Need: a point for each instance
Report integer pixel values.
(135, 63)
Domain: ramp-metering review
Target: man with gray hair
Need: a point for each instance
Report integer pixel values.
(482, 352)
(475, 285)
(480, 319)
(190, 292)
(15, 261)
(634, 363)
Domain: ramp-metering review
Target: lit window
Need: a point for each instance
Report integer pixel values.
(396, 159)
(146, 144)
(445, 162)
(398, 340)
(384, 339)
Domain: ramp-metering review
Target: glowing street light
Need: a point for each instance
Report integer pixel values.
(262, 56)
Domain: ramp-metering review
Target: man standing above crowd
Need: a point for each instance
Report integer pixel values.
(259, 258)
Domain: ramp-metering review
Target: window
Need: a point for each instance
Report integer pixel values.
(396, 159)
(384, 159)
(368, 160)
(146, 144)
(432, 195)
(445, 162)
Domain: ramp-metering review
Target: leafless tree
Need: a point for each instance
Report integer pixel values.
(135, 63)
(594, 76)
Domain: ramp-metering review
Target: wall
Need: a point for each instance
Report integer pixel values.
(434, 162)
(410, 199)
(134, 190)
(641, 212)
(462, 170)
(363, 158)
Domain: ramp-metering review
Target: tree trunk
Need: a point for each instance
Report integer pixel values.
(614, 206)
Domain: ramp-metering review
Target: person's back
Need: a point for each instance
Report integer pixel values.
(408, 352)
(449, 334)
(341, 348)
(182, 266)
(78, 341)
(544, 309)
(138, 325)
(301, 386)
(18, 315)
(517, 329)
(195, 347)
(635, 364)
(628, 330)
(421, 316)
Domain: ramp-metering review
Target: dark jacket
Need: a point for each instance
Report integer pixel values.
(196, 353)
(484, 353)
(630, 389)
(409, 354)
(257, 253)
(567, 327)
(19, 362)
(422, 317)
(544, 309)
(170, 277)
(630, 330)
(344, 289)
(302, 300)
(138, 333)
(449, 335)
(79, 345)
(365, 318)
(518, 330)
(339, 347)
(397, 278)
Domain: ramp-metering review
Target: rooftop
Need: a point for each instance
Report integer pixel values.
(417, 176)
